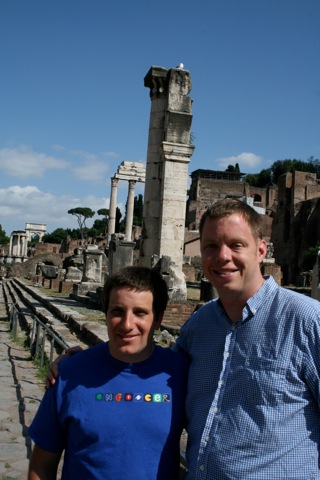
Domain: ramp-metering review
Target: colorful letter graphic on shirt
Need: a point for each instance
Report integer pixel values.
(134, 397)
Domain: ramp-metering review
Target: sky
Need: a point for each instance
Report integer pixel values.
(73, 105)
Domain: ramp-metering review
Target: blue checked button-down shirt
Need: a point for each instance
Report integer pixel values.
(253, 398)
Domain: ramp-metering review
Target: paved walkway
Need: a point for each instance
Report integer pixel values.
(20, 394)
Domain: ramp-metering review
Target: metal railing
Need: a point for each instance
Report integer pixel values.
(40, 334)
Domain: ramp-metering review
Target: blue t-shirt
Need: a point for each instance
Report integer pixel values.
(254, 389)
(115, 420)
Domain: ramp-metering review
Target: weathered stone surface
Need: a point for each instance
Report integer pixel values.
(20, 395)
(74, 274)
(169, 152)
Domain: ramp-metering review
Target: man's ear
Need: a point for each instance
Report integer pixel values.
(263, 248)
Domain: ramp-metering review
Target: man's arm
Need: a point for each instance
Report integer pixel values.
(43, 464)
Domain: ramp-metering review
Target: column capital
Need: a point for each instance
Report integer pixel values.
(114, 181)
(132, 183)
(177, 152)
(161, 80)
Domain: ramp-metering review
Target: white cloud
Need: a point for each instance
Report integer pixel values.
(93, 167)
(58, 148)
(20, 205)
(92, 170)
(23, 162)
(247, 162)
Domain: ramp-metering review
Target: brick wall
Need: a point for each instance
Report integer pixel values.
(177, 314)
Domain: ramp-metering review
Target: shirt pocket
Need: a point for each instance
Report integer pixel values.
(265, 380)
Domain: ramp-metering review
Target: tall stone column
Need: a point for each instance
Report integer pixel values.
(10, 245)
(130, 207)
(169, 152)
(112, 207)
(23, 246)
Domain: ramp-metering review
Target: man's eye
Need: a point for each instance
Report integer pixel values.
(209, 248)
(116, 311)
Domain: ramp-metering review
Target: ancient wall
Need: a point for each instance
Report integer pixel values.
(296, 223)
(205, 190)
(177, 314)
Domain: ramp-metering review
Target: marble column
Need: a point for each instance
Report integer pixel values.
(10, 246)
(112, 207)
(130, 207)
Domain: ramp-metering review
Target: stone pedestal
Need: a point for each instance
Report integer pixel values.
(174, 278)
(94, 262)
(120, 253)
(73, 274)
(84, 287)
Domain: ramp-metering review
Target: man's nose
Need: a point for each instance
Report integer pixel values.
(127, 320)
(223, 252)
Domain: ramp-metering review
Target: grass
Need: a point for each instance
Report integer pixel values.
(25, 344)
(41, 370)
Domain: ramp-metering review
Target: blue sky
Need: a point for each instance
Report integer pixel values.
(73, 105)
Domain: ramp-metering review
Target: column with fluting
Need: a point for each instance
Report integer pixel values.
(112, 207)
(130, 207)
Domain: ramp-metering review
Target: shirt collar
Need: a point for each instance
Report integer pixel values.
(268, 288)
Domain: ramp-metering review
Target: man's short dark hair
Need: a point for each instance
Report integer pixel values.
(227, 207)
(140, 279)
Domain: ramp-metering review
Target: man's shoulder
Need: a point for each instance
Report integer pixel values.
(168, 353)
(203, 311)
(83, 357)
(172, 356)
(299, 299)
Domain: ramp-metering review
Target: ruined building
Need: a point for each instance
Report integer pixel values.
(296, 223)
(209, 186)
(291, 213)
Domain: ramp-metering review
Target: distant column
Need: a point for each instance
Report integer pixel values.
(24, 252)
(130, 207)
(10, 245)
(112, 207)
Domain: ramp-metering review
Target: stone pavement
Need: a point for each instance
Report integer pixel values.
(20, 395)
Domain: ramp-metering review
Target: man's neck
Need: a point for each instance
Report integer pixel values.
(233, 305)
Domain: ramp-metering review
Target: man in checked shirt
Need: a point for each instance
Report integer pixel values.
(254, 390)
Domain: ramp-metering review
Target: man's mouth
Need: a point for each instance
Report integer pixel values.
(224, 273)
(127, 337)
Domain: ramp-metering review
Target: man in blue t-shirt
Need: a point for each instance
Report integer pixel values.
(116, 410)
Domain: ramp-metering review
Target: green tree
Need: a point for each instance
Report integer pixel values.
(315, 162)
(233, 168)
(283, 166)
(93, 232)
(57, 236)
(117, 222)
(98, 226)
(4, 240)
(138, 210)
(310, 257)
(261, 180)
(105, 213)
(82, 214)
